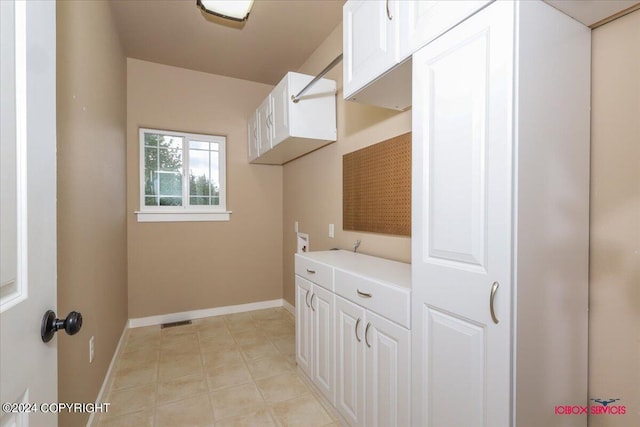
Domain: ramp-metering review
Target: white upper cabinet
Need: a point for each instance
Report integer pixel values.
(265, 131)
(252, 136)
(287, 129)
(370, 48)
(280, 100)
(370, 41)
(379, 37)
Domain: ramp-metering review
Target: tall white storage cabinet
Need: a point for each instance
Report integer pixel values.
(500, 220)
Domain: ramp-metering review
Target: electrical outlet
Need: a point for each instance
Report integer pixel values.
(331, 231)
(295, 227)
(91, 350)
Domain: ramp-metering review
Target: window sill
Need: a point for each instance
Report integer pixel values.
(182, 216)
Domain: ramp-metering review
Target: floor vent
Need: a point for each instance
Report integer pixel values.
(173, 324)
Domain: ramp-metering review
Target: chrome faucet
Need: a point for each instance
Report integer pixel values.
(356, 245)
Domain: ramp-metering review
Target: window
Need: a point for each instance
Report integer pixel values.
(182, 177)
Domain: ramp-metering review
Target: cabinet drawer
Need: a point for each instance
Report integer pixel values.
(315, 272)
(392, 302)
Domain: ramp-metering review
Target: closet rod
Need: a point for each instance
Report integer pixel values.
(296, 98)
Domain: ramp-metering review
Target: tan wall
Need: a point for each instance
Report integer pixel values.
(313, 183)
(92, 251)
(614, 328)
(182, 266)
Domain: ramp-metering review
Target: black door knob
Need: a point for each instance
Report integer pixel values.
(50, 325)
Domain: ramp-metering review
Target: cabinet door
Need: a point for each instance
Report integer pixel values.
(252, 136)
(388, 376)
(322, 305)
(370, 41)
(350, 364)
(304, 326)
(461, 237)
(424, 20)
(280, 99)
(264, 126)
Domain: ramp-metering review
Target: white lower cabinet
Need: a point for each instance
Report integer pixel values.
(322, 311)
(352, 334)
(373, 366)
(387, 373)
(314, 335)
(304, 326)
(350, 364)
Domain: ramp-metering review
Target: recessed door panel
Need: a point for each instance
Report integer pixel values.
(388, 375)
(350, 379)
(322, 305)
(304, 331)
(455, 369)
(456, 174)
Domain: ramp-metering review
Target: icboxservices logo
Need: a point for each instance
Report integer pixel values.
(602, 407)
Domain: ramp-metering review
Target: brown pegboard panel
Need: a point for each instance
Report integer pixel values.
(376, 187)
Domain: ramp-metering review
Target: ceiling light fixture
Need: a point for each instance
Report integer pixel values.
(236, 10)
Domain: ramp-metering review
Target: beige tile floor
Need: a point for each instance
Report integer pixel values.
(234, 370)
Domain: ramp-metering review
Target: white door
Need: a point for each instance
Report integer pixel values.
(280, 99)
(462, 181)
(322, 304)
(370, 41)
(264, 126)
(304, 325)
(28, 367)
(350, 364)
(388, 375)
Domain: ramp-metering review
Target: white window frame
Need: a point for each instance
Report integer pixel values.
(186, 212)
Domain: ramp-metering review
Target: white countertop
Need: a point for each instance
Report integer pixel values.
(378, 269)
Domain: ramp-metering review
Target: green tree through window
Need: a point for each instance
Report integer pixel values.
(167, 156)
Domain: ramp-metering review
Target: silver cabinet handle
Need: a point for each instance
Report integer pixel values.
(364, 294)
(311, 271)
(357, 323)
(494, 289)
(312, 295)
(366, 335)
(306, 298)
(389, 12)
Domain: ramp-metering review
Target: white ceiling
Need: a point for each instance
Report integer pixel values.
(278, 36)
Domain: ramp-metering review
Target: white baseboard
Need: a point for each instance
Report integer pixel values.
(107, 377)
(207, 312)
(291, 309)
